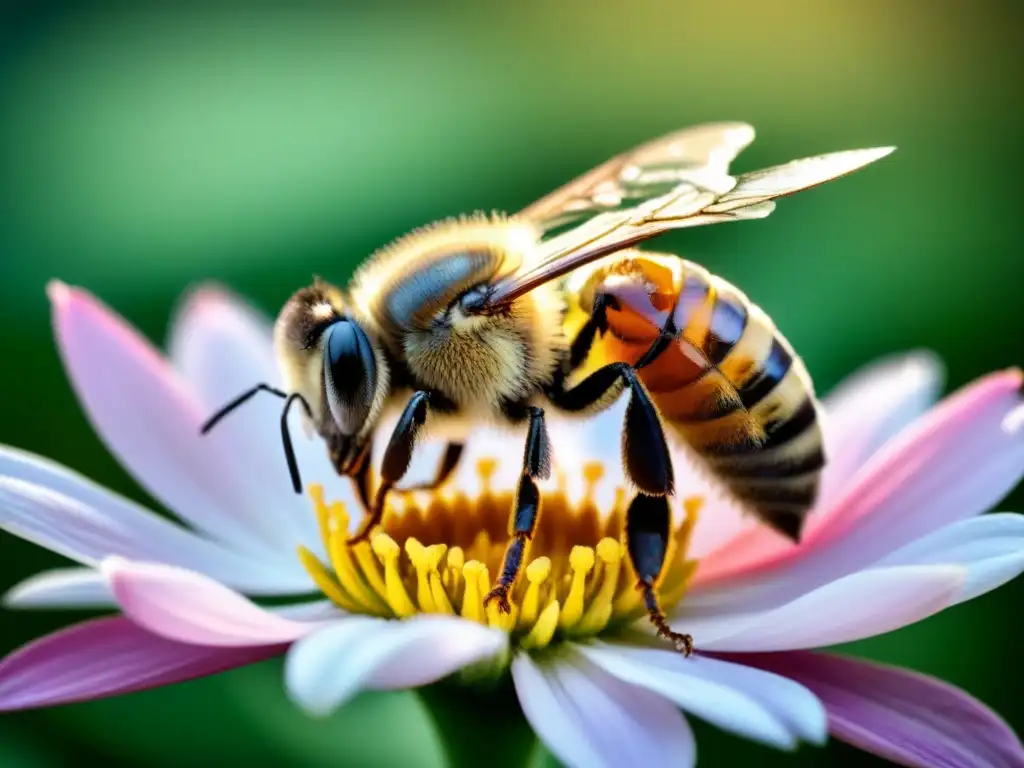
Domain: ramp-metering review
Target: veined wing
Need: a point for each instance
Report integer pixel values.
(644, 172)
(698, 195)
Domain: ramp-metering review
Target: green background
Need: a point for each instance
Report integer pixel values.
(145, 148)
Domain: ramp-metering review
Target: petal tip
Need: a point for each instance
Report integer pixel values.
(58, 292)
(112, 565)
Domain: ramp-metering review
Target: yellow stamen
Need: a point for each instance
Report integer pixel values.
(388, 551)
(316, 492)
(596, 618)
(537, 573)
(581, 560)
(473, 600)
(543, 629)
(438, 556)
(325, 583)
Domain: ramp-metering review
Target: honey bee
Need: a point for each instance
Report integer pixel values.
(492, 318)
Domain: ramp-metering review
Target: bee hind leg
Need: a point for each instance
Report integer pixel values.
(536, 466)
(647, 527)
(397, 457)
(648, 464)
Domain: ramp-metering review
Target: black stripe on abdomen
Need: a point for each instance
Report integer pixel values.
(773, 370)
(728, 321)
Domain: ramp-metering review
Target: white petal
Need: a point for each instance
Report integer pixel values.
(871, 406)
(748, 702)
(223, 347)
(191, 608)
(316, 611)
(331, 665)
(589, 719)
(63, 588)
(56, 508)
(990, 547)
(860, 605)
(150, 420)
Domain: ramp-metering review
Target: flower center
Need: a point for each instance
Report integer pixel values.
(440, 557)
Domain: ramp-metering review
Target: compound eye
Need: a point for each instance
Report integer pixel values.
(474, 300)
(350, 375)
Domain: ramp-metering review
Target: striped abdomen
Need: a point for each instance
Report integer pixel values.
(730, 386)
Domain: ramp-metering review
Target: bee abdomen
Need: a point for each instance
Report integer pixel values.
(744, 404)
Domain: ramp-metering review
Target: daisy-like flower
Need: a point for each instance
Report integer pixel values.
(898, 536)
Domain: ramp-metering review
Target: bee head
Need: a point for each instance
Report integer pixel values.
(327, 356)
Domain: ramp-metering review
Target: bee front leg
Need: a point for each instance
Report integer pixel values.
(648, 465)
(450, 460)
(536, 466)
(397, 457)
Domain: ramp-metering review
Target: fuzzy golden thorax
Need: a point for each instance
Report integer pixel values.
(412, 291)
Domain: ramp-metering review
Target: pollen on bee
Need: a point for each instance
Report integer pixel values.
(439, 553)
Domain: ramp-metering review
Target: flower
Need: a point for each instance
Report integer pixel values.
(896, 537)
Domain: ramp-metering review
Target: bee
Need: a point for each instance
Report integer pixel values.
(493, 318)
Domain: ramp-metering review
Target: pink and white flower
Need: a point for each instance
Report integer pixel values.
(897, 537)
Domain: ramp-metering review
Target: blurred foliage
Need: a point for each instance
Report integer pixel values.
(143, 148)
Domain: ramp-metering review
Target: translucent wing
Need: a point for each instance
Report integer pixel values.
(671, 183)
(650, 170)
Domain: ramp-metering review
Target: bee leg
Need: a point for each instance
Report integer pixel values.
(647, 528)
(644, 448)
(649, 466)
(596, 323)
(536, 466)
(397, 457)
(450, 460)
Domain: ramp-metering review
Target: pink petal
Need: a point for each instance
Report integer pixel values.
(106, 657)
(872, 406)
(900, 715)
(854, 607)
(328, 667)
(954, 463)
(861, 414)
(191, 608)
(150, 422)
(589, 719)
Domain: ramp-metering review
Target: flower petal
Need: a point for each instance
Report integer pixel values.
(331, 665)
(150, 422)
(952, 465)
(105, 657)
(991, 547)
(900, 715)
(871, 406)
(61, 510)
(221, 346)
(860, 605)
(748, 702)
(62, 588)
(191, 608)
(589, 719)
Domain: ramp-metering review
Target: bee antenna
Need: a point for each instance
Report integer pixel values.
(211, 422)
(286, 438)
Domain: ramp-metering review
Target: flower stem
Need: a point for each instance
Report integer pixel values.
(480, 727)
